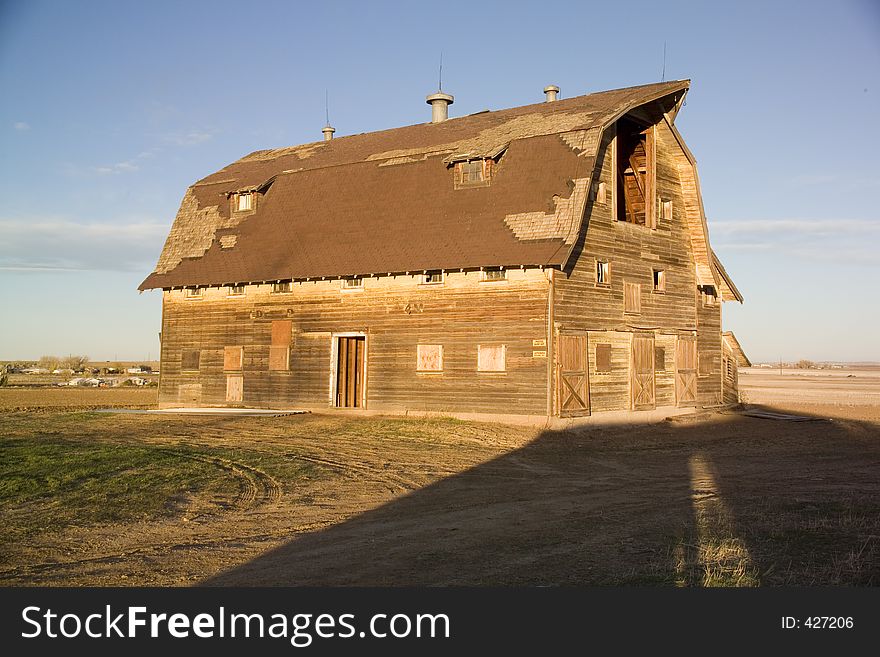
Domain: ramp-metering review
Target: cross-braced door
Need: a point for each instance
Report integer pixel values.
(642, 372)
(573, 378)
(686, 371)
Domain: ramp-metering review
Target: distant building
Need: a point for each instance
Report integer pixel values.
(551, 259)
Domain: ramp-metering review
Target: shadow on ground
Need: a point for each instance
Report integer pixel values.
(730, 500)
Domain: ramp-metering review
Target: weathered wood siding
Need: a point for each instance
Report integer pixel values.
(633, 252)
(708, 353)
(395, 314)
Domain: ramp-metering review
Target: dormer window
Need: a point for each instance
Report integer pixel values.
(244, 202)
(473, 173)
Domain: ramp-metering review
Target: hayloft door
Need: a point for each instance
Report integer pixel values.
(350, 371)
(642, 372)
(686, 371)
(234, 388)
(573, 378)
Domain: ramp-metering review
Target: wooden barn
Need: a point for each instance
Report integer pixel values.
(545, 260)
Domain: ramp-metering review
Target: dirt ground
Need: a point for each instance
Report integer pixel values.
(716, 499)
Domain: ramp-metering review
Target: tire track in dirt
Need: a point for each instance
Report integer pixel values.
(257, 487)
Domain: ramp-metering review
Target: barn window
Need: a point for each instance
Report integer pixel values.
(491, 358)
(603, 357)
(659, 280)
(708, 295)
(632, 298)
(659, 359)
(635, 171)
(473, 173)
(236, 290)
(667, 210)
(195, 292)
(707, 365)
(603, 272)
(233, 358)
(189, 360)
(494, 274)
(279, 348)
(352, 283)
(244, 202)
(602, 194)
(433, 278)
(429, 358)
(281, 288)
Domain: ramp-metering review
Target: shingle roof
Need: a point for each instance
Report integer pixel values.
(385, 201)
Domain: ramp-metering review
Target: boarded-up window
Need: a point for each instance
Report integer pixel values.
(429, 358)
(603, 272)
(708, 365)
(233, 357)
(659, 359)
(602, 194)
(189, 360)
(491, 358)
(279, 349)
(667, 210)
(603, 357)
(632, 298)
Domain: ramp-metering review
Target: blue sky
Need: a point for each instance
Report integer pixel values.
(111, 109)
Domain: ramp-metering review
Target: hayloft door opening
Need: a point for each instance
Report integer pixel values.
(573, 378)
(350, 371)
(686, 371)
(642, 372)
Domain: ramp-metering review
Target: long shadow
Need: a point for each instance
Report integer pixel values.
(607, 505)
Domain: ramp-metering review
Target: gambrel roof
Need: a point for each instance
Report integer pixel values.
(384, 202)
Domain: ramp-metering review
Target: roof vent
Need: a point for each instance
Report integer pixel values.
(439, 103)
(328, 131)
(550, 93)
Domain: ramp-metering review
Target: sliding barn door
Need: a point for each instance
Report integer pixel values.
(350, 371)
(573, 378)
(642, 372)
(686, 371)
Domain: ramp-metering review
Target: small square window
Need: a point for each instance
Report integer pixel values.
(236, 290)
(244, 202)
(429, 358)
(433, 278)
(471, 173)
(603, 272)
(494, 274)
(189, 360)
(281, 288)
(352, 283)
(195, 292)
(491, 358)
(659, 280)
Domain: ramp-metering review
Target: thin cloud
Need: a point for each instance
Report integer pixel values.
(191, 138)
(21, 126)
(60, 244)
(844, 241)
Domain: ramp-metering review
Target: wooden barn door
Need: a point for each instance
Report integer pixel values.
(573, 377)
(642, 372)
(350, 371)
(686, 371)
